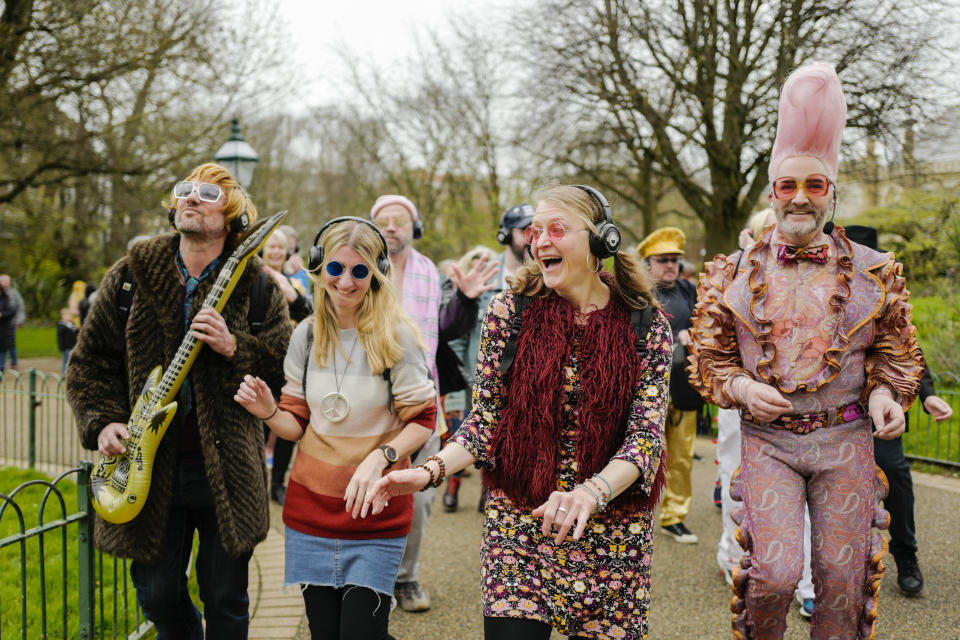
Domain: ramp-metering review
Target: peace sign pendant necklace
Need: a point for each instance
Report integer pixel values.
(335, 405)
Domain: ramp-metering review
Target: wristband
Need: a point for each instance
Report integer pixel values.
(275, 409)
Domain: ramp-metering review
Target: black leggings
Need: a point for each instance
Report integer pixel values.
(517, 629)
(350, 612)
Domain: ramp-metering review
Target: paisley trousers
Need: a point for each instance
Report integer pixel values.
(832, 471)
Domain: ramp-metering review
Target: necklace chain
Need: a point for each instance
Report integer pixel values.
(346, 366)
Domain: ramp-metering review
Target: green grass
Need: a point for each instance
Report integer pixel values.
(937, 318)
(45, 595)
(37, 342)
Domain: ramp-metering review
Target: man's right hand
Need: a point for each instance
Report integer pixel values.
(764, 402)
(111, 438)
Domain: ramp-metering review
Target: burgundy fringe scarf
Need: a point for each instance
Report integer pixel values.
(526, 442)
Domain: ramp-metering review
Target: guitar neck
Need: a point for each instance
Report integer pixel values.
(178, 369)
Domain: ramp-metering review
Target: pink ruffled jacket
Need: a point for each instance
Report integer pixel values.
(858, 332)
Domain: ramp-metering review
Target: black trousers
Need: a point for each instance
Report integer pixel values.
(888, 455)
(347, 613)
(282, 451)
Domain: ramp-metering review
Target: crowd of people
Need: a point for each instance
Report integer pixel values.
(569, 368)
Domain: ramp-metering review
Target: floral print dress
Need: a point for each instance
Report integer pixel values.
(598, 586)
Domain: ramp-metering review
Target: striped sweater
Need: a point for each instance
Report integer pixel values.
(329, 452)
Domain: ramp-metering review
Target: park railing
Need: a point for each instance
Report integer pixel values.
(37, 427)
(932, 441)
(54, 584)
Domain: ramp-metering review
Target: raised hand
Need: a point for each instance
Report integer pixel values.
(478, 280)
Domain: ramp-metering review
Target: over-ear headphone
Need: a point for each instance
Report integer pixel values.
(417, 225)
(605, 242)
(516, 217)
(240, 223)
(315, 258)
(503, 234)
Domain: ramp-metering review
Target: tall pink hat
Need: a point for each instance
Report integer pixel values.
(813, 113)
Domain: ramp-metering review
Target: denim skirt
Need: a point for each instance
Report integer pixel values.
(331, 562)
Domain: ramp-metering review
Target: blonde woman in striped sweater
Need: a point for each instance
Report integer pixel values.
(360, 400)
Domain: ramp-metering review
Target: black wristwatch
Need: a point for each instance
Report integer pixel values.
(390, 454)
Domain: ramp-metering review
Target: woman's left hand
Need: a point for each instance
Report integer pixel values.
(562, 510)
(366, 475)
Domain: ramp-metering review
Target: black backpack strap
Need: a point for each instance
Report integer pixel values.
(306, 364)
(258, 303)
(128, 285)
(642, 320)
(520, 302)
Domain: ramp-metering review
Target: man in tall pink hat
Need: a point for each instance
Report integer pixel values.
(810, 337)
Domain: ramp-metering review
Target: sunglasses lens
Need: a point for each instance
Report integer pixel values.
(334, 268)
(816, 186)
(531, 234)
(556, 231)
(359, 271)
(784, 188)
(209, 192)
(182, 189)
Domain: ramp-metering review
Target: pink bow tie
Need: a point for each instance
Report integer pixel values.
(788, 254)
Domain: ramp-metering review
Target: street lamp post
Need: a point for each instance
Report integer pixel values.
(238, 156)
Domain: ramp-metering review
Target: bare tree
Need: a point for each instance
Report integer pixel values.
(442, 134)
(684, 93)
(104, 103)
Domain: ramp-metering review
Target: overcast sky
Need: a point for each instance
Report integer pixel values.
(381, 29)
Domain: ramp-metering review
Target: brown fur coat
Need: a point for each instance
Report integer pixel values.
(101, 390)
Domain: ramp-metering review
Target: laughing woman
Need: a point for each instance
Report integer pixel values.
(359, 399)
(570, 436)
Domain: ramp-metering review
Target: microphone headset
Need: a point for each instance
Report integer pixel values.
(315, 257)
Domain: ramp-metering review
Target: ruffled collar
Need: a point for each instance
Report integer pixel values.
(757, 259)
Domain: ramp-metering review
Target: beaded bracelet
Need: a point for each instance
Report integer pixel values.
(601, 503)
(431, 480)
(609, 488)
(442, 466)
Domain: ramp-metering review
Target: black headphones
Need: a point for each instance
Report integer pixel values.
(417, 226)
(504, 234)
(605, 242)
(315, 259)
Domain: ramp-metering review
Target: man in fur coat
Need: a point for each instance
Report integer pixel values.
(209, 473)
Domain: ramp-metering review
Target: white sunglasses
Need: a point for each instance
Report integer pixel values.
(205, 191)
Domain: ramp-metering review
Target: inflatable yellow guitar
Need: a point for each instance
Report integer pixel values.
(119, 484)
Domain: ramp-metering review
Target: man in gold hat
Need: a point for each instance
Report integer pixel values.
(662, 250)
